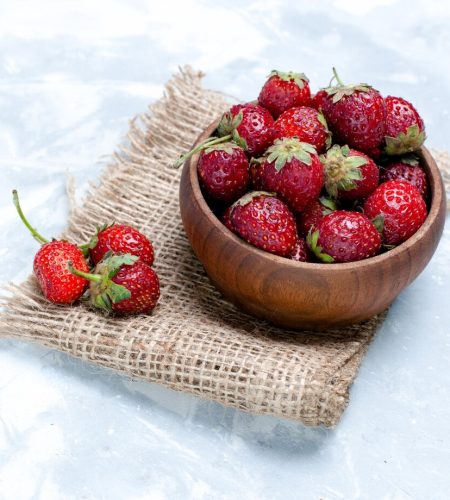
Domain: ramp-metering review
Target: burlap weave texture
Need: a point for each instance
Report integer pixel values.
(194, 341)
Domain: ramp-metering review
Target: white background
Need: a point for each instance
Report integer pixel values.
(72, 73)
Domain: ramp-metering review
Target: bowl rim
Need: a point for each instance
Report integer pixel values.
(437, 193)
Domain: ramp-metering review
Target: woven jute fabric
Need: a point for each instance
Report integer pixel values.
(194, 341)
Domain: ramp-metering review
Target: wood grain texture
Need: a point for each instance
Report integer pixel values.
(305, 295)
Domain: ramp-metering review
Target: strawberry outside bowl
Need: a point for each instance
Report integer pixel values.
(301, 295)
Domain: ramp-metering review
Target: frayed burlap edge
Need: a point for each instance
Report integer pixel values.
(194, 341)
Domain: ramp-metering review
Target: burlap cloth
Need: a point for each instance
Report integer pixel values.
(195, 341)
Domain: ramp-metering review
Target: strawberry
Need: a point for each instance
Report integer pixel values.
(121, 283)
(250, 126)
(318, 99)
(349, 174)
(265, 222)
(344, 236)
(119, 238)
(223, 171)
(307, 124)
(293, 170)
(300, 252)
(405, 131)
(356, 115)
(256, 171)
(226, 221)
(283, 91)
(406, 171)
(398, 209)
(313, 213)
(50, 266)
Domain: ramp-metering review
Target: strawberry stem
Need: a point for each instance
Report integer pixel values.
(87, 276)
(335, 73)
(211, 141)
(40, 239)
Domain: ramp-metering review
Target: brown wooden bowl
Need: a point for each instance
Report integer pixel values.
(305, 295)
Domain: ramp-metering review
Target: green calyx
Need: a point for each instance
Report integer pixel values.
(226, 130)
(248, 197)
(227, 147)
(322, 120)
(285, 150)
(378, 222)
(328, 205)
(103, 291)
(410, 159)
(312, 241)
(405, 142)
(299, 78)
(339, 90)
(94, 240)
(341, 169)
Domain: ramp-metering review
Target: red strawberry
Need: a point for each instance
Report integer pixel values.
(256, 171)
(57, 283)
(265, 222)
(313, 213)
(223, 170)
(318, 99)
(301, 251)
(250, 126)
(120, 238)
(293, 170)
(408, 172)
(307, 124)
(283, 91)
(356, 115)
(123, 284)
(405, 130)
(226, 221)
(344, 236)
(349, 174)
(398, 208)
(50, 266)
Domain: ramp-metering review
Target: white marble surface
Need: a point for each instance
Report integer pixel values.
(71, 75)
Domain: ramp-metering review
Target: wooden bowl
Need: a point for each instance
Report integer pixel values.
(305, 295)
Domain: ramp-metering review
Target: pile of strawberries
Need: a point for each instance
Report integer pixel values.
(112, 272)
(330, 177)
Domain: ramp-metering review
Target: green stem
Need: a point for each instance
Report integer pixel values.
(87, 276)
(33, 231)
(203, 145)
(340, 82)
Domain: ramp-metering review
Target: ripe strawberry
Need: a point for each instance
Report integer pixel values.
(265, 222)
(250, 126)
(293, 170)
(307, 124)
(405, 131)
(120, 238)
(344, 236)
(226, 221)
(301, 251)
(408, 172)
(356, 115)
(121, 283)
(50, 266)
(313, 213)
(283, 91)
(318, 99)
(399, 210)
(223, 171)
(256, 171)
(349, 174)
